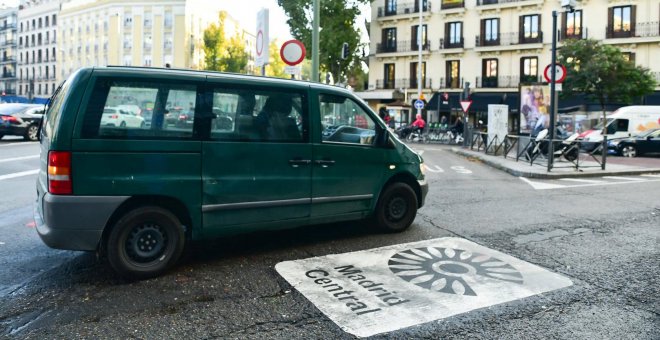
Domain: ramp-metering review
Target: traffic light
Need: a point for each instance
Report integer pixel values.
(344, 51)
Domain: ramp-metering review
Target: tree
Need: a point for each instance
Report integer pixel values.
(337, 26)
(276, 65)
(214, 39)
(236, 57)
(602, 73)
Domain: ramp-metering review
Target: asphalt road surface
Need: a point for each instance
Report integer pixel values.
(603, 238)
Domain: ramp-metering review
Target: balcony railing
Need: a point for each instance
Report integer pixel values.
(497, 2)
(452, 4)
(445, 44)
(11, 26)
(7, 60)
(508, 39)
(641, 30)
(404, 8)
(8, 75)
(402, 46)
(505, 81)
(9, 42)
(426, 83)
(583, 34)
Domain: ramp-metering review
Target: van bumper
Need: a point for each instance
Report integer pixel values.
(424, 187)
(74, 222)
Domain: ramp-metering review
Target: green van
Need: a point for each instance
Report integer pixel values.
(212, 154)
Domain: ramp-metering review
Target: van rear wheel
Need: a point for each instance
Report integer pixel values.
(396, 208)
(145, 242)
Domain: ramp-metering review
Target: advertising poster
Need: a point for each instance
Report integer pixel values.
(534, 108)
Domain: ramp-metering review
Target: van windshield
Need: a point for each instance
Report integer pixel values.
(599, 126)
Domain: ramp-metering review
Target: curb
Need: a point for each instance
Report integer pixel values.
(490, 161)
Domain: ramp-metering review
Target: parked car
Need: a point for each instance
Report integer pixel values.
(114, 116)
(646, 142)
(623, 123)
(21, 120)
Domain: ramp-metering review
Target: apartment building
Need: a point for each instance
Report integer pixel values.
(37, 42)
(494, 45)
(133, 33)
(8, 19)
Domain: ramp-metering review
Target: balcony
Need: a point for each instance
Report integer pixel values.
(640, 30)
(582, 34)
(9, 91)
(510, 39)
(505, 81)
(403, 9)
(426, 83)
(446, 44)
(8, 75)
(452, 4)
(11, 26)
(8, 42)
(403, 83)
(402, 47)
(488, 4)
(7, 60)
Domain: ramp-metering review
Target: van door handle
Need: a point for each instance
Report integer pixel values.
(324, 162)
(298, 162)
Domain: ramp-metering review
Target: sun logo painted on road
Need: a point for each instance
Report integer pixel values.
(449, 270)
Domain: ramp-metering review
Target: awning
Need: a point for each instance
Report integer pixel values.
(380, 95)
(452, 102)
(398, 104)
(481, 100)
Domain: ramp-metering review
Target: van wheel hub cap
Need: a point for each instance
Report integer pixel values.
(146, 242)
(397, 208)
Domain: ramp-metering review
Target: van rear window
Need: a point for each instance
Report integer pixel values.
(121, 109)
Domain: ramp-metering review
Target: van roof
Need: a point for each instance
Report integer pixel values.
(227, 75)
(653, 109)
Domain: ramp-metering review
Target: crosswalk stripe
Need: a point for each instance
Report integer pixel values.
(625, 178)
(581, 180)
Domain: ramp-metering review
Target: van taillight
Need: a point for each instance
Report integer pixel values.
(59, 173)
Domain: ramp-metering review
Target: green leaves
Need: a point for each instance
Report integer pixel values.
(222, 54)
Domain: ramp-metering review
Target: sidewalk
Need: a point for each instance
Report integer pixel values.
(561, 169)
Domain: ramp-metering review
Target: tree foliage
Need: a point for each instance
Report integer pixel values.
(602, 73)
(275, 67)
(337, 26)
(222, 54)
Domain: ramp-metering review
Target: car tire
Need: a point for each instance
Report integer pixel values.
(396, 208)
(145, 242)
(32, 133)
(629, 151)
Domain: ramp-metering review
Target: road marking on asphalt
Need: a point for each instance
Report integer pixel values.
(19, 174)
(2, 243)
(652, 175)
(581, 180)
(542, 185)
(545, 185)
(385, 289)
(625, 178)
(18, 158)
(435, 168)
(461, 169)
(19, 143)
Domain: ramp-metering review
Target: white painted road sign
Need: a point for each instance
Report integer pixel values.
(560, 73)
(465, 104)
(262, 42)
(419, 104)
(384, 289)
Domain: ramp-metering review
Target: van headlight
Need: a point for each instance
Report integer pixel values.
(422, 169)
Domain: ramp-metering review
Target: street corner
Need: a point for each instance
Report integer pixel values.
(385, 289)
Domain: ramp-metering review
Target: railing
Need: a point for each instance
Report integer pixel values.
(403, 8)
(9, 42)
(639, 30)
(9, 75)
(508, 39)
(402, 83)
(11, 26)
(445, 44)
(505, 81)
(497, 2)
(402, 46)
(584, 34)
(452, 4)
(8, 60)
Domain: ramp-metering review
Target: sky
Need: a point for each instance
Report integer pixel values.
(247, 16)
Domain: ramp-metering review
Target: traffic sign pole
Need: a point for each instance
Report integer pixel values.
(553, 78)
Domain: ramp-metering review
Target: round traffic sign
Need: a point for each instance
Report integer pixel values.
(292, 52)
(419, 104)
(260, 42)
(560, 73)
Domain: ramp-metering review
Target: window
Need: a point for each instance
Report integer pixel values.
(345, 121)
(389, 76)
(47, 21)
(126, 109)
(629, 56)
(621, 22)
(453, 34)
(530, 28)
(254, 115)
(489, 73)
(453, 74)
(529, 67)
(617, 125)
(414, 38)
(168, 19)
(572, 25)
(424, 5)
(413, 74)
(389, 40)
(54, 21)
(490, 32)
(390, 7)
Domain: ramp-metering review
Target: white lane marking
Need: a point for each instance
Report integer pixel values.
(19, 174)
(541, 185)
(461, 169)
(19, 143)
(18, 158)
(652, 175)
(2, 243)
(625, 178)
(420, 152)
(581, 180)
(385, 289)
(436, 170)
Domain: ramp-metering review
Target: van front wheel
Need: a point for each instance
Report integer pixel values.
(145, 242)
(396, 208)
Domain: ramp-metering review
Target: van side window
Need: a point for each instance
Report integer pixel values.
(253, 115)
(344, 121)
(140, 110)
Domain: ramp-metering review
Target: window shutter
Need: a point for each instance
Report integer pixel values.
(521, 29)
(482, 32)
(610, 22)
(447, 32)
(564, 26)
(538, 29)
(633, 19)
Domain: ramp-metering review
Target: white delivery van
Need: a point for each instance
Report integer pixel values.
(623, 123)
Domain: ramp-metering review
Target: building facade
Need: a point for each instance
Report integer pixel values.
(155, 33)
(37, 43)
(494, 45)
(8, 50)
